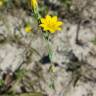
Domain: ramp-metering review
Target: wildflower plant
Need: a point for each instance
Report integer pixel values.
(49, 25)
(34, 5)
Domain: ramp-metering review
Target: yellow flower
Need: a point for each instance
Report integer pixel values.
(28, 28)
(52, 69)
(1, 3)
(34, 4)
(50, 24)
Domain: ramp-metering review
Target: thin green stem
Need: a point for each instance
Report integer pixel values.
(46, 37)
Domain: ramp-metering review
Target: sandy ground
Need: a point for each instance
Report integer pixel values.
(75, 62)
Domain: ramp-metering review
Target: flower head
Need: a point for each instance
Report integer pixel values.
(34, 4)
(50, 24)
(28, 28)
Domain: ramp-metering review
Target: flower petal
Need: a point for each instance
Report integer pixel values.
(42, 25)
(43, 20)
(52, 30)
(59, 23)
(54, 19)
(59, 29)
(48, 19)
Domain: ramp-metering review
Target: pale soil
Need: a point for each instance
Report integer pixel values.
(75, 74)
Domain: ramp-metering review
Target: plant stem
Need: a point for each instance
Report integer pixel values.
(46, 37)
